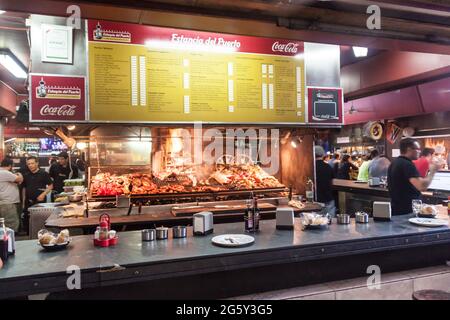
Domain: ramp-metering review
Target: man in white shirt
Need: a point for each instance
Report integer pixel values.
(9, 195)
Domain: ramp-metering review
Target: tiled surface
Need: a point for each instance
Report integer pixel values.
(401, 290)
(362, 282)
(320, 296)
(425, 272)
(288, 293)
(436, 282)
(394, 286)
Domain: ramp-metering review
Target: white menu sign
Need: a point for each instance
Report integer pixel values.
(56, 43)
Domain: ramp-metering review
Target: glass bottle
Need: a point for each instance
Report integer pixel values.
(103, 231)
(448, 205)
(309, 190)
(256, 214)
(3, 241)
(248, 216)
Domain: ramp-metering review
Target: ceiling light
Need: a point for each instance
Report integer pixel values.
(294, 144)
(71, 127)
(296, 141)
(360, 51)
(10, 62)
(81, 145)
(2, 11)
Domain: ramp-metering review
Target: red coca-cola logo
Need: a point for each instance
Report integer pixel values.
(64, 110)
(290, 47)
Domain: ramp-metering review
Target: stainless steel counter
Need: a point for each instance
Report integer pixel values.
(33, 270)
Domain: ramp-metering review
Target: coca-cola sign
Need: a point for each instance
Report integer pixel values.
(57, 98)
(289, 47)
(65, 110)
(161, 37)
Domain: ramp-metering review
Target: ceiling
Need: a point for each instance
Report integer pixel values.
(419, 25)
(13, 36)
(421, 20)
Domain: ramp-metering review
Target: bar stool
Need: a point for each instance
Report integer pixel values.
(430, 295)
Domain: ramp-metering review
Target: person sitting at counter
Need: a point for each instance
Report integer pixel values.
(379, 166)
(423, 163)
(324, 179)
(404, 181)
(344, 167)
(363, 172)
(334, 161)
(61, 171)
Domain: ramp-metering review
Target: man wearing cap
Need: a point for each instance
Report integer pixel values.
(324, 179)
(62, 170)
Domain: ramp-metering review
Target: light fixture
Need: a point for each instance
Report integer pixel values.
(71, 127)
(10, 62)
(296, 141)
(2, 11)
(360, 51)
(294, 144)
(81, 146)
(200, 46)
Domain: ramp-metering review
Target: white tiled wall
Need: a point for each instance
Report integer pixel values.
(393, 286)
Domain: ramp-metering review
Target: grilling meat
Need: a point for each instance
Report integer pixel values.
(229, 177)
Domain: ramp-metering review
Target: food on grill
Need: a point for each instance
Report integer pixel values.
(225, 177)
(106, 184)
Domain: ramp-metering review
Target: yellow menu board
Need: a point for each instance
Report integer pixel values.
(138, 83)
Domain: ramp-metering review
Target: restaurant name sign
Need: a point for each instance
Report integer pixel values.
(151, 74)
(56, 98)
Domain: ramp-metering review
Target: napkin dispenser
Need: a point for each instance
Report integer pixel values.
(203, 223)
(381, 211)
(285, 218)
(374, 182)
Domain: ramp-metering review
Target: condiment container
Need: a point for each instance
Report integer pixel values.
(103, 231)
(148, 234)
(179, 232)
(162, 233)
(343, 218)
(361, 217)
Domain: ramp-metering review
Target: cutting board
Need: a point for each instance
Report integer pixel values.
(218, 209)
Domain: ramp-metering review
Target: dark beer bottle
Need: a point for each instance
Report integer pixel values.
(248, 217)
(3, 241)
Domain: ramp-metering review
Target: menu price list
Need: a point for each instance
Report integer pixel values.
(135, 83)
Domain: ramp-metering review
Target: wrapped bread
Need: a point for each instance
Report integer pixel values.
(47, 239)
(62, 237)
(429, 210)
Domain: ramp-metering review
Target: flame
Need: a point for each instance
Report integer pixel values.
(436, 144)
(175, 143)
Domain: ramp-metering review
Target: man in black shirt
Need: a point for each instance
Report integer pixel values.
(324, 179)
(61, 171)
(37, 183)
(404, 181)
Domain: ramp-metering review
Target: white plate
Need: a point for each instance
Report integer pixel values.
(233, 240)
(428, 222)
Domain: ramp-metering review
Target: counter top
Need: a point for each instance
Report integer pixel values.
(33, 270)
(363, 187)
(119, 217)
(352, 185)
